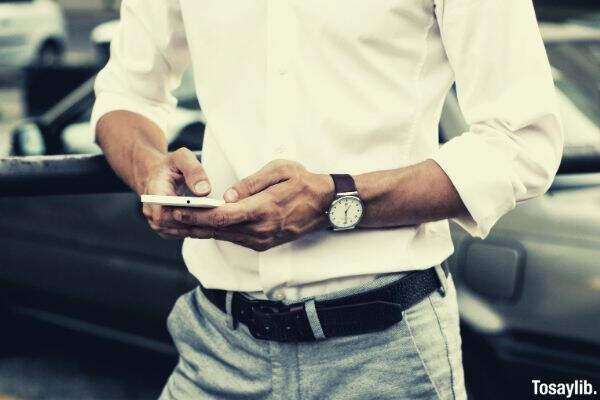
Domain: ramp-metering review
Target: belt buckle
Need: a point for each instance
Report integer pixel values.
(274, 321)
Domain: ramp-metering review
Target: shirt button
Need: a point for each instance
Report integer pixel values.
(278, 295)
(279, 150)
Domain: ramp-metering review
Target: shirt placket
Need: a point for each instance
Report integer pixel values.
(280, 44)
(274, 265)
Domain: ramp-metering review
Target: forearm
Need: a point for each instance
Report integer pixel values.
(283, 201)
(408, 196)
(132, 144)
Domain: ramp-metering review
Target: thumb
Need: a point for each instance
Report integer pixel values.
(193, 171)
(271, 174)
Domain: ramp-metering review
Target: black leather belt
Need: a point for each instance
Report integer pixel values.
(370, 311)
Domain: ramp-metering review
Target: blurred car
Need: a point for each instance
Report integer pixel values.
(65, 128)
(31, 32)
(529, 294)
(95, 261)
(101, 37)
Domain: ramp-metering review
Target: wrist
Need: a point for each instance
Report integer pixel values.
(381, 192)
(374, 186)
(145, 163)
(324, 191)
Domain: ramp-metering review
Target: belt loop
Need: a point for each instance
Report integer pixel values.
(231, 322)
(439, 271)
(313, 319)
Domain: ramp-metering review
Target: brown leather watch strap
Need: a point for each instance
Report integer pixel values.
(343, 183)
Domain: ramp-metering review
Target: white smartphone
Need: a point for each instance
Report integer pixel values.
(182, 201)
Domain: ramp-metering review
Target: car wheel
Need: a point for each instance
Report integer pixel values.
(50, 54)
(28, 140)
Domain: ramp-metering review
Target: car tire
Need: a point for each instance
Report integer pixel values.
(27, 140)
(50, 54)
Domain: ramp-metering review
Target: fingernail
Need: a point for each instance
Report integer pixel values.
(202, 187)
(231, 195)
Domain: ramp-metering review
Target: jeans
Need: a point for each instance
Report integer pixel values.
(416, 358)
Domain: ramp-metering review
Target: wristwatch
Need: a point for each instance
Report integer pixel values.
(347, 209)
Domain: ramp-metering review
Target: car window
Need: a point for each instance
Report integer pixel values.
(577, 78)
(581, 121)
(186, 92)
(585, 17)
(580, 115)
(582, 133)
(578, 97)
(592, 50)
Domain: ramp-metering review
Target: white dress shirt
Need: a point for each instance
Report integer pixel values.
(346, 86)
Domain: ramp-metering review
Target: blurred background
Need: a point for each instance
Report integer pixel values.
(85, 286)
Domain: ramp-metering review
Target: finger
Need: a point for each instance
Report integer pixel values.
(193, 171)
(182, 232)
(156, 216)
(162, 217)
(260, 230)
(244, 240)
(170, 225)
(169, 233)
(147, 210)
(271, 174)
(167, 237)
(219, 217)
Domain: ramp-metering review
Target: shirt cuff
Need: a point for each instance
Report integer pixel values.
(110, 101)
(481, 175)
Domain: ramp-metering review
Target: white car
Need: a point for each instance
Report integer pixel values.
(70, 116)
(65, 127)
(31, 32)
(78, 137)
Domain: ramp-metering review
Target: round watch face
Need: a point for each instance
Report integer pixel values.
(345, 212)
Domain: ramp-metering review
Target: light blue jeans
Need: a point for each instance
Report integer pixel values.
(417, 358)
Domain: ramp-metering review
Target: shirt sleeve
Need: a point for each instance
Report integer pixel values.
(505, 90)
(148, 55)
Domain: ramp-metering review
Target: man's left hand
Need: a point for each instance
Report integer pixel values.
(278, 204)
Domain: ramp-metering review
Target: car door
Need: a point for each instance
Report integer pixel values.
(67, 255)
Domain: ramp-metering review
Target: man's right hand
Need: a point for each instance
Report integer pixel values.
(170, 177)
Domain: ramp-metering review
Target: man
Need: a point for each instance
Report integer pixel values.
(323, 275)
